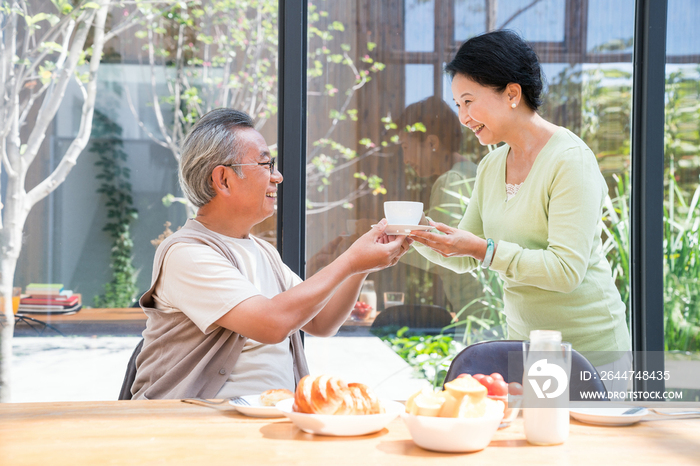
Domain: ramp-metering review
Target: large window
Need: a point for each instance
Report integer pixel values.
(358, 157)
(681, 266)
(373, 67)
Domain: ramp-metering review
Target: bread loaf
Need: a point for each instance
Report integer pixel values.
(330, 395)
(272, 397)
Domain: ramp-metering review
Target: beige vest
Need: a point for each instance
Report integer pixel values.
(177, 359)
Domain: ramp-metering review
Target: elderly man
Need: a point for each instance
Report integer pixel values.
(224, 312)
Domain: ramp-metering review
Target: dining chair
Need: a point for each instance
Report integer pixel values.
(130, 376)
(487, 357)
(425, 318)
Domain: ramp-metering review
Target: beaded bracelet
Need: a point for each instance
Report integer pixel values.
(489, 254)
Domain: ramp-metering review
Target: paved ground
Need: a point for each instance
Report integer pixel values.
(92, 368)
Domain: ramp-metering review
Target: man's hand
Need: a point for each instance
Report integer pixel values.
(375, 250)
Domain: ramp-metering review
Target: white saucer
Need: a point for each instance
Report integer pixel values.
(397, 230)
(608, 416)
(255, 408)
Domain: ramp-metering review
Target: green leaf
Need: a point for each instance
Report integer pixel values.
(31, 20)
(418, 126)
(51, 46)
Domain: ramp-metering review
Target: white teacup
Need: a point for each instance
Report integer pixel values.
(403, 212)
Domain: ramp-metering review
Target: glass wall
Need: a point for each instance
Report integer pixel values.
(373, 68)
(376, 66)
(682, 195)
(97, 232)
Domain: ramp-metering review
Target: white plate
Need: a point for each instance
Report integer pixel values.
(256, 409)
(403, 230)
(342, 426)
(607, 416)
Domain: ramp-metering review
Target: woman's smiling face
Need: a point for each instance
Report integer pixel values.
(482, 109)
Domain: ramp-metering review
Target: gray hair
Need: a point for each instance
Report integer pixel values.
(211, 142)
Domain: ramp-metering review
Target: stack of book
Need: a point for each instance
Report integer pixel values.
(48, 298)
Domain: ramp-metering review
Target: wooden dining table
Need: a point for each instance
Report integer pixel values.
(171, 432)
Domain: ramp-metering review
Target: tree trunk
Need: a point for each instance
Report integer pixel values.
(7, 325)
(15, 213)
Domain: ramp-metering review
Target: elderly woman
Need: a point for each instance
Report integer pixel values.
(535, 213)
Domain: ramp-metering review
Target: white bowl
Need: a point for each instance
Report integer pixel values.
(452, 434)
(341, 426)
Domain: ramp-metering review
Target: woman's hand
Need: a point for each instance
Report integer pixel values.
(453, 243)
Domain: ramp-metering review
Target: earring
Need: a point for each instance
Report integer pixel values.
(433, 149)
(513, 105)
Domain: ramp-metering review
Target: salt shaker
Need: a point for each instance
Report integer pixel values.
(545, 405)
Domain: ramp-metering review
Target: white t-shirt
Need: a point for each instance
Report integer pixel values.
(201, 283)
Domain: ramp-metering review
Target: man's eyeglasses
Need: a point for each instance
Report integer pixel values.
(270, 165)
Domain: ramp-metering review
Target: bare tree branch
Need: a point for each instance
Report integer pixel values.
(141, 123)
(362, 190)
(515, 15)
(68, 161)
(155, 101)
(50, 106)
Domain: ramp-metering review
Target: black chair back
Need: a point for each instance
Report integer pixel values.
(425, 318)
(487, 357)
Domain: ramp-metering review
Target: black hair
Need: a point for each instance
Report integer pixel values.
(439, 119)
(498, 58)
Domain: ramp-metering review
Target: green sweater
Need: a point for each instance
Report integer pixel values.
(549, 247)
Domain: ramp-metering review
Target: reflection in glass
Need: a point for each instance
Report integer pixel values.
(419, 82)
(541, 21)
(419, 33)
(683, 17)
(614, 26)
(588, 70)
(431, 140)
(585, 93)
